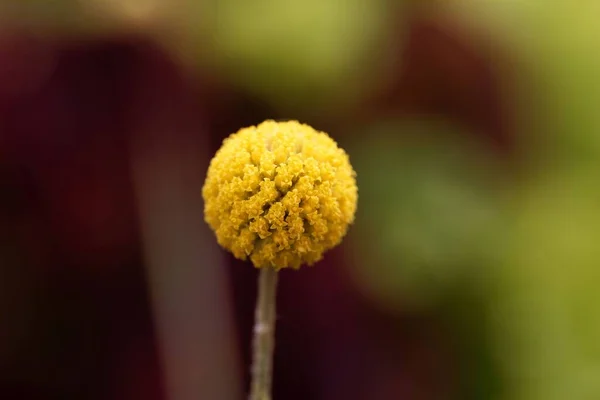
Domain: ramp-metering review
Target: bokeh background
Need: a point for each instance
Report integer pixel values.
(472, 270)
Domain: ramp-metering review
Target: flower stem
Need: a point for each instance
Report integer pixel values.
(264, 335)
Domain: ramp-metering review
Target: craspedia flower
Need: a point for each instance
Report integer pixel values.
(280, 194)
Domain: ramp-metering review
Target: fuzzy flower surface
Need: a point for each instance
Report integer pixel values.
(280, 194)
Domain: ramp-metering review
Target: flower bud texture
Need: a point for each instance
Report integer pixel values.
(280, 194)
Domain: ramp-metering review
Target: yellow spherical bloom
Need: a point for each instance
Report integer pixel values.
(280, 194)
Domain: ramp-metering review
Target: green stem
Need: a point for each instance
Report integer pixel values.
(264, 335)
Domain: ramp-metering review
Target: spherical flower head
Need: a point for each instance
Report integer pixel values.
(280, 194)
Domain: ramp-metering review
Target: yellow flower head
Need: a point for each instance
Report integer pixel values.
(280, 194)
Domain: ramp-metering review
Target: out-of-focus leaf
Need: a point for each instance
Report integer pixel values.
(547, 336)
(548, 310)
(427, 212)
(300, 52)
(557, 89)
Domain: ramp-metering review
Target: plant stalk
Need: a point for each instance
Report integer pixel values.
(263, 343)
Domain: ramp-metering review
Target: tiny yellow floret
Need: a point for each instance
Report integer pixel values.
(280, 194)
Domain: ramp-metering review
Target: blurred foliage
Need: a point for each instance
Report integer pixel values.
(429, 212)
(430, 228)
(547, 312)
(296, 55)
(554, 58)
(299, 53)
(465, 312)
(547, 336)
